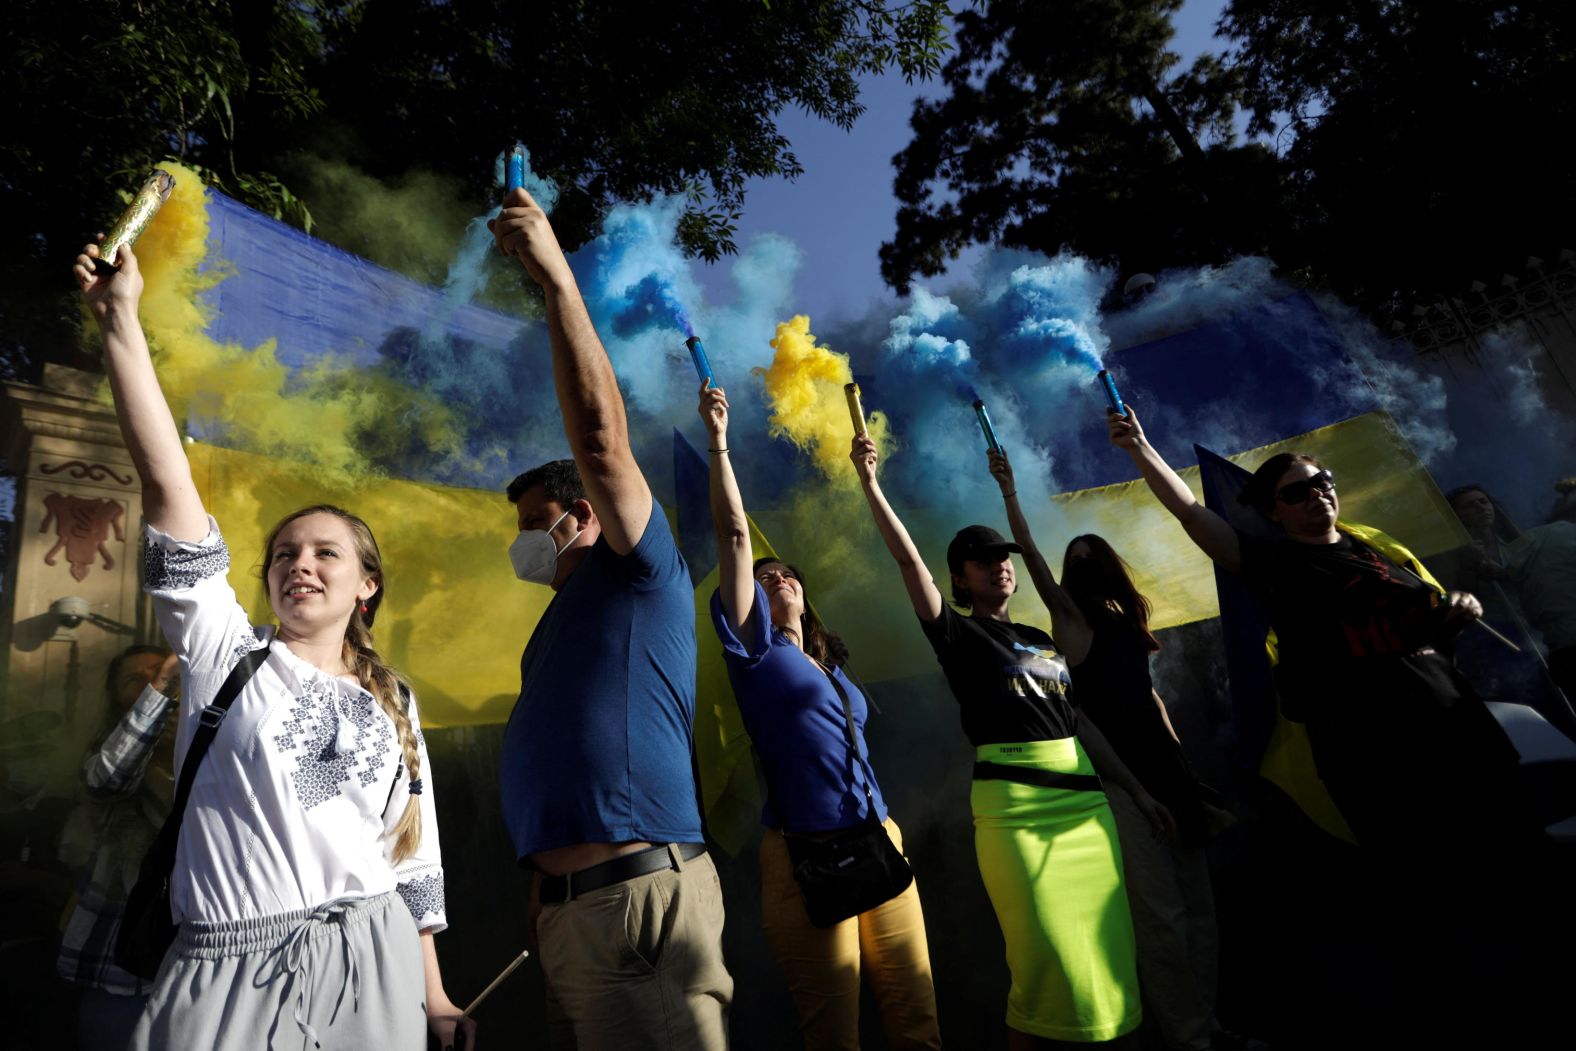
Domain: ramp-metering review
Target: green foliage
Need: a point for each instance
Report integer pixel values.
(1419, 143)
(1397, 151)
(1068, 124)
(101, 91)
(616, 101)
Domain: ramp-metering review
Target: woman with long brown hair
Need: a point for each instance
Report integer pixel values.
(806, 720)
(1101, 623)
(307, 882)
(1168, 882)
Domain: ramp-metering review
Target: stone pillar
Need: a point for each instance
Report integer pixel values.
(71, 598)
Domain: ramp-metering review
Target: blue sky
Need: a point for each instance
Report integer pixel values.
(841, 209)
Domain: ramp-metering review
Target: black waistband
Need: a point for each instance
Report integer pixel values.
(1028, 775)
(555, 890)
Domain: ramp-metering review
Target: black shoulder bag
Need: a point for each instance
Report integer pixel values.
(855, 870)
(146, 927)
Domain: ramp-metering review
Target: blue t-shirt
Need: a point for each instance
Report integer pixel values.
(795, 720)
(598, 746)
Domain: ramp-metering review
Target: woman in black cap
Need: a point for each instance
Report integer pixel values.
(1044, 835)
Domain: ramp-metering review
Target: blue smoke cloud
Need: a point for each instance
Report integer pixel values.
(1025, 333)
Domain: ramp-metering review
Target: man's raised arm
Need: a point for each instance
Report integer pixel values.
(588, 395)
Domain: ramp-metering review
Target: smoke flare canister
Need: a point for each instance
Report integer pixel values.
(702, 363)
(134, 220)
(1111, 394)
(856, 411)
(985, 427)
(516, 169)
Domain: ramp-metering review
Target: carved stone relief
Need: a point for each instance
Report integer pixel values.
(82, 528)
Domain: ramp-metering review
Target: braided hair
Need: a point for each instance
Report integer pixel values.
(375, 676)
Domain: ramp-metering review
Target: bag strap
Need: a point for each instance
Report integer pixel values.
(209, 720)
(853, 742)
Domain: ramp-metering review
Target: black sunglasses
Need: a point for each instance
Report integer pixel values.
(1298, 492)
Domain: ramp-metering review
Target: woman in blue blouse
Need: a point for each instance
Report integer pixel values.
(783, 663)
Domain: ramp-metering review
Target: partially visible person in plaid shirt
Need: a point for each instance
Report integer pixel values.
(129, 786)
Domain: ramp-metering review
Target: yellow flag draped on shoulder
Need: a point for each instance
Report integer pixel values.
(1288, 758)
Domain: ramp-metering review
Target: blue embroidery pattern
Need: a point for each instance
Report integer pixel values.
(243, 643)
(166, 570)
(313, 726)
(383, 735)
(423, 897)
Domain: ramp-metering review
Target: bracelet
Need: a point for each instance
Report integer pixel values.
(1009, 496)
(716, 450)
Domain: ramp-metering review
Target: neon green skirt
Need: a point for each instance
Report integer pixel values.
(1053, 870)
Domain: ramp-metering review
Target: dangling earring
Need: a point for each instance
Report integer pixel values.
(363, 609)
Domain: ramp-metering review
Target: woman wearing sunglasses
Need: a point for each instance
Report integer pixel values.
(1362, 639)
(1416, 764)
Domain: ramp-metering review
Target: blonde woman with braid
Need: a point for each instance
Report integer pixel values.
(307, 883)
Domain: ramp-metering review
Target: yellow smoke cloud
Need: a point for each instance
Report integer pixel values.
(804, 386)
(329, 415)
(308, 435)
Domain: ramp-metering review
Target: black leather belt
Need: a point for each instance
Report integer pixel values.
(555, 890)
(1028, 775)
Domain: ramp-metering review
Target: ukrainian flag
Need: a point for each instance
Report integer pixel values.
(1269, 378)
(453, 620)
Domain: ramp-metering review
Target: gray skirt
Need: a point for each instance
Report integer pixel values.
(346, 975)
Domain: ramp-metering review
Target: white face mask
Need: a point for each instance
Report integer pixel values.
(535, 556)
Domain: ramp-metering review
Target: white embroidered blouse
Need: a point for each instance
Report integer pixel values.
(296, 802)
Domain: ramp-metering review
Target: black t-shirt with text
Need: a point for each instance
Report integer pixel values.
(1010, 681)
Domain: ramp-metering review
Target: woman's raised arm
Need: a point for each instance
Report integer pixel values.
(921, 587)
(1068, 625)
(169, 497)
(735, 554)
(1212, 533)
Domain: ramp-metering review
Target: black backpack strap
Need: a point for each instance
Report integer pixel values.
(209, 720)
(146, 926)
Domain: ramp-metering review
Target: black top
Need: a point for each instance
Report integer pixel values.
(1112, 686)
(1009, 679)
(1349, 622)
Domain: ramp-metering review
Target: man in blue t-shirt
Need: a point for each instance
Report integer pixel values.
(597, 782)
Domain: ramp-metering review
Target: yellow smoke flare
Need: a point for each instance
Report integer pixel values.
(804, 386)
(308, 435)
(329, 415)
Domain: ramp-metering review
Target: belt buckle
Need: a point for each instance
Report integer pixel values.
(555, 897)
(569, 887)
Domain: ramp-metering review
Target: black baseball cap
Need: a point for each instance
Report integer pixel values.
(975, 542)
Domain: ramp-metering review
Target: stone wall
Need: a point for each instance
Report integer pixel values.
(71, 599)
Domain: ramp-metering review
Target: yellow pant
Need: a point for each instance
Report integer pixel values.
(823, 964)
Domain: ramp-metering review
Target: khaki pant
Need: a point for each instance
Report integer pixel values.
(823, 964)
(1174, 924)
(639, 964)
